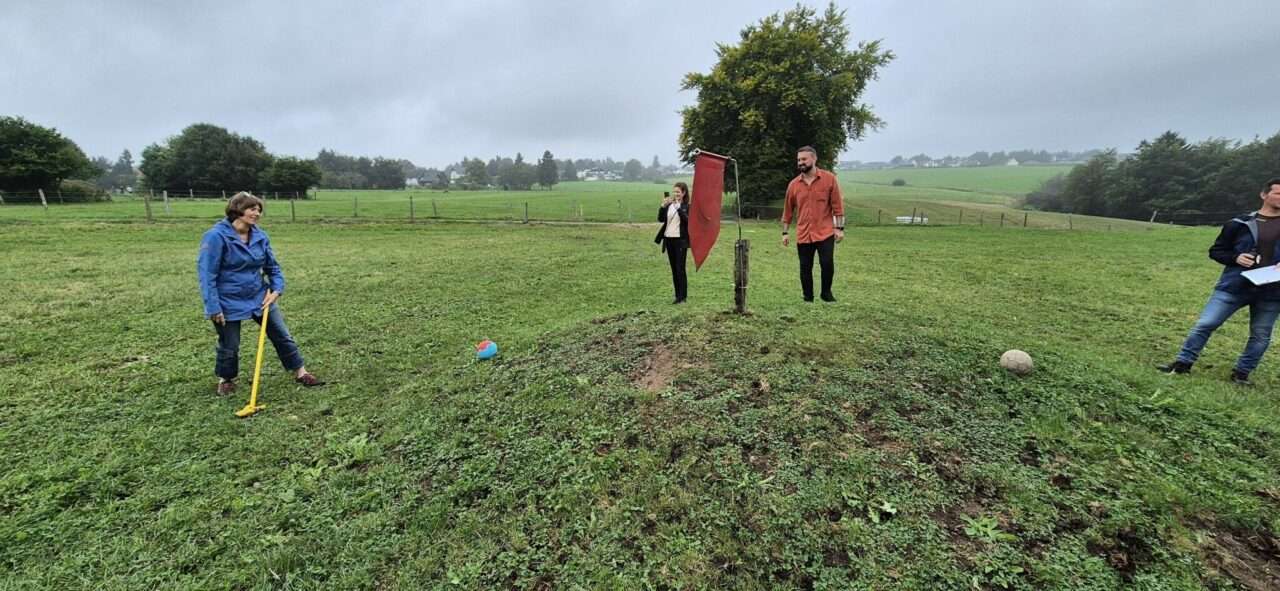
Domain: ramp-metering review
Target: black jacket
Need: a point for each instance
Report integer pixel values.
(662, 219)
(1240, 236)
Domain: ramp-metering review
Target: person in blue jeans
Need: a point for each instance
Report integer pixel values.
(239, 277)
(1250, 241)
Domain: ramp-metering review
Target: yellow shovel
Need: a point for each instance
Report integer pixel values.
(253, 407)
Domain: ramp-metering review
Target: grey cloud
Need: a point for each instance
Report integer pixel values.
(433, 82)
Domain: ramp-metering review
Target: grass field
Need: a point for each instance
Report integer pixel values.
(1000, 180)
(619, 442)
(581, 201)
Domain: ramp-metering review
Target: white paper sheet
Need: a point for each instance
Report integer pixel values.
(1263, 276)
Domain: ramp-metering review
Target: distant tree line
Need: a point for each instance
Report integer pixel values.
(515, 174)
(979, 158)
(1167, 174)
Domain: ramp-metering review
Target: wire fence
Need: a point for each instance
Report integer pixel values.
(519, 207)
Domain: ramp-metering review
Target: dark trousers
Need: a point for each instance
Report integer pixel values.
(227, 365)
(826, 259)
(677, 252)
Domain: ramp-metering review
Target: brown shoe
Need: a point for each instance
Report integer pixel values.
(226, 388)
(308, 380)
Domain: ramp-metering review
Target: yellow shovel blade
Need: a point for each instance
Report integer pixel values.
(249, 410)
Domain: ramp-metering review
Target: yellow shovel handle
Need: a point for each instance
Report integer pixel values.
(253, 407)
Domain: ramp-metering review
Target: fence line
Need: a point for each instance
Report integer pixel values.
(412, 207)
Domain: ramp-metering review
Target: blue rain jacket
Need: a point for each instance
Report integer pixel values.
(234, 276)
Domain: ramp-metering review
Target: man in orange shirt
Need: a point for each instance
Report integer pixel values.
(814, 197)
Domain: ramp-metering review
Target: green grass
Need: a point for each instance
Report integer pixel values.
(1000, 180)
(619, 442)
(580, 201)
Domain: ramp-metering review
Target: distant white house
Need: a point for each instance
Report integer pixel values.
(411, 182)
(454, 176)
(1012, 162)
(596, 174)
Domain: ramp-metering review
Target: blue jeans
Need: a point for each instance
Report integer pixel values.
(228, 361)
(1222, 304)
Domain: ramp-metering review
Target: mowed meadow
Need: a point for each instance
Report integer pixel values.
(968, 197)
(617, 441)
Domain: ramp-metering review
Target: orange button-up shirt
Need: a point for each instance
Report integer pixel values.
(815, 205)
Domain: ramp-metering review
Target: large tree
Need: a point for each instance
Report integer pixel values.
(791, 81)
(547, 173)
(36, 157)
(632, 170)
(290, 176)
(122, 174)
(205, 157)
(474, 173)
(568, 170)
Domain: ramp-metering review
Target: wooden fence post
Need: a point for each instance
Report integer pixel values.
(741, 254)
(526, 212)
(146, 202)
(42, 200)
(293, 213)
(355, 206)
(435, 213)
(1024, 219)
(167, 211)
(1002, 219)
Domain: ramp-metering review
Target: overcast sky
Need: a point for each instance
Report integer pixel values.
(436, 81)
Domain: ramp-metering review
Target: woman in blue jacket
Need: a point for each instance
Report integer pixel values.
(239, 276)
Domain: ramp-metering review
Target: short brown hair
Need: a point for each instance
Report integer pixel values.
(241, 202)
(808, 149)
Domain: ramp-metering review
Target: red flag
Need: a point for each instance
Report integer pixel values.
(704, 211)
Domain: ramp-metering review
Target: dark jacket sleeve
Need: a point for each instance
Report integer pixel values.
(684, 220)
(662, 214)
(1224, 248)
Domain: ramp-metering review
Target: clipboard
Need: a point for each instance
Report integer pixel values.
(1263, 276)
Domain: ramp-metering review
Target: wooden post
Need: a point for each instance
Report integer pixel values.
(741, 256)
(1069, 226)
(224, 194)
(526, 212)
(167, 211)
(293, 214)
(1153, 217)
(1001, 219)
(434, 212)
(277, 194)
(295, 195)
(961, 218)
(146, 202)
(981, 216)
(913, 215)
(1, 197)
(878, 212)
(191, 193)
(60, 196)
(1024, 219)
(411, 212)
(42, 200)
(355, 206)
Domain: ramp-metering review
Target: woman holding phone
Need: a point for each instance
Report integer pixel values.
(673, 235)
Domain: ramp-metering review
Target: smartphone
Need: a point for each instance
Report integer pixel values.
(666, 193)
